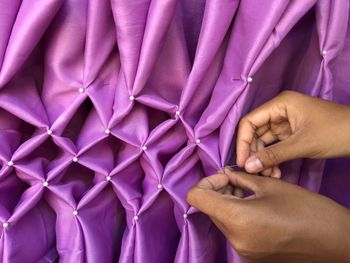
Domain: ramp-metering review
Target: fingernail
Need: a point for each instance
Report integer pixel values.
(276, 173)
(253, 164)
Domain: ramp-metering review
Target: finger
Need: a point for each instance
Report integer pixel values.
(263, 129)
(214, 182)
(276, 172)
(252, 122)
(273, 155)
(245, 136)
(253, 147)
(238, 192)
(281, 130)
(244, 181)
(260, 147)
(204, 195)
(207, 201)
(267, 172)
(268, 138)
(247, 130)
(228, 189)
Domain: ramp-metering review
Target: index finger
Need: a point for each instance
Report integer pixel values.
(250, 124)
(205, 196)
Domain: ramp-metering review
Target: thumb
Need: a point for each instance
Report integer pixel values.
(205, 196)
(273, 155)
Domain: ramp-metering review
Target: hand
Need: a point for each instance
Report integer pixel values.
(292, 125)
(280, 222)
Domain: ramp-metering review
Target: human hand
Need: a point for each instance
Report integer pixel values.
(292, 125)
(280, 222)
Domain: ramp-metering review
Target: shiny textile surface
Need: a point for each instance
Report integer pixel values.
(110, 110)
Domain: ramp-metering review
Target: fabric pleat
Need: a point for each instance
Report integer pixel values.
(111, 110)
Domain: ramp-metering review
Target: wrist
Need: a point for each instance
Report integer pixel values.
(338, 135)
(337, 244)
(327, 236)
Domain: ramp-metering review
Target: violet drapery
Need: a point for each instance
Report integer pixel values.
(110, 110)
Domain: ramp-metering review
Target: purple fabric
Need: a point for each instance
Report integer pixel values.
(110, 110)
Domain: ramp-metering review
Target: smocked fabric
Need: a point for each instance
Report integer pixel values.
(110, 110)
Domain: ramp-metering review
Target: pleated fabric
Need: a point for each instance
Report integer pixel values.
(110, 110)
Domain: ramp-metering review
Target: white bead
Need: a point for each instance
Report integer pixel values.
(198, 141)
(46, 184)
(136, 218)
(75, 159)
(159, 186)
(49, 132)
(75, 212)
(131, 98)
(185, 215)
(10, 163)
(250, 79)
(177, 113)
(81, 90)
(107, 131)
(5, 225)
(324, 52)
(144, 148)
(108, 178)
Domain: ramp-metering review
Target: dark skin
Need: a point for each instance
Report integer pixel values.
(281, 222)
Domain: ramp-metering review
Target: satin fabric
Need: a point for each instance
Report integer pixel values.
(110, 110)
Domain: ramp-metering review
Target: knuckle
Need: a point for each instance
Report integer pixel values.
(191, 195)
(288, 93)
(290, 96)
(243, 122)
(205, 183)
(273, 156)
(280, 109)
